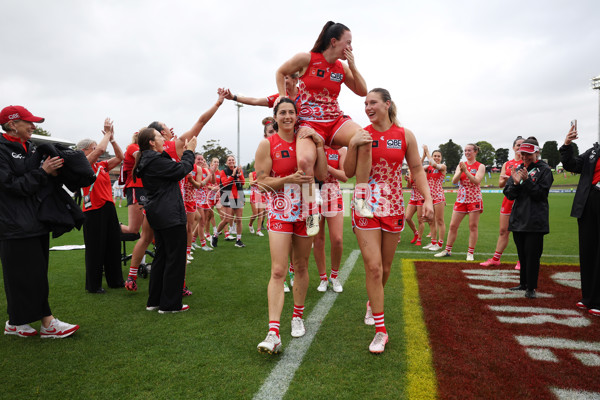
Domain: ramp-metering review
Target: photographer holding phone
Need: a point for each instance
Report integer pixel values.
(586, 208)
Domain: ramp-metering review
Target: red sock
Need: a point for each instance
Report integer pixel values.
(449, 248)
(323, 277)
(334, 273)
(274, 326)
(379, 323)
(471, 250)
(291, 268)
(497, 256)
(133, 272)
(298, 311)
(440, 243)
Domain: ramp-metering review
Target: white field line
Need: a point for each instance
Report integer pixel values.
(425, 252)
(277, 383)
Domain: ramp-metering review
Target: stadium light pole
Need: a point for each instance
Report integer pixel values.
(596, 86)
(238, 105)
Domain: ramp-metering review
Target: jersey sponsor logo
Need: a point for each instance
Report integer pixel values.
(394, 144)
(276, 146)
(336, 77)
(473, 171)
(333, 157)
(18, 156)
(320, 73)
(375, 143)
(285, 154)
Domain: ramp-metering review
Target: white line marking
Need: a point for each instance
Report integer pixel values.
(424, 252)
(276, 385)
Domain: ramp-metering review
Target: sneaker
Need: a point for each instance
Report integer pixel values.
(151, 308)
(470, 257)
(336, 285)
(435, 247)
(239, 243)
(189, 257)
(230, 238)
(418, 242)
(579, 304)
(298, 327)
(259, 233)
(271, 344)
(251, 228)
(130, 284)
(443, 253)
(214, 241)
(369, 320)
(312, 224)
(291, 275)
(19, 330)
(361, 206)
(377, 346)
(57, 330)
(194, 246)
(185, 307)
(427, 246)
(186, 292)
(490, 263)
(206, 248)
(414, 239)
(530, 294)
(594, 311)
(286, 288)
(518, 266)
(323, 285)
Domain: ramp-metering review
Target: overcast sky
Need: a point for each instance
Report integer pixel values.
(462, 70)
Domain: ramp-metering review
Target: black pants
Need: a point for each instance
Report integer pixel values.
(168, 269)
(530, 246)
(589, 250)
(25, 271)
(101, 233)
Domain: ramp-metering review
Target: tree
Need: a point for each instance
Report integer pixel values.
(486, 153)
(40, 131)
(213, 149)
(501, 157)
(550, 153)
(452, 153)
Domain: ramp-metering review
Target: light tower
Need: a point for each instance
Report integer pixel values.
(596, 85)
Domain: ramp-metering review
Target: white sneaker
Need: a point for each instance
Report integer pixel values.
(206, 248)
(19, 330)
(194, 246)
(259, 233)
(251, 228)
(323, 285)
(271, 344)
(312, 224)
(470, 257)
(435, 247)
(377, 346)
(298, 327)
(369, 320)
(337, 286)
(427, 247)
(57, 330)
(443, 253)
(361, 206)
(184, 307)
(286, 288)
(151, 308)
(190, 257)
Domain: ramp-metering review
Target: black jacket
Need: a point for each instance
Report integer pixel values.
(21, 181)
(583, 164)
(530, 212)
(161, 175)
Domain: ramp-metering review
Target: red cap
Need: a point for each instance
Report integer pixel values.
(12, 113)
(528, 148)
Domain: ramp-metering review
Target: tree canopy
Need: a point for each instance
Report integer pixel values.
(213, 149)
(501, 157)
(40, 131)
(550, 153)
(451, 153)
(486, 153)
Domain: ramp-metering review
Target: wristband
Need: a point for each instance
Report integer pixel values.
(235, 97)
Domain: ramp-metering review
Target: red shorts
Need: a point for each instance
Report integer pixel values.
(393, 224)
(190, 206)
(297, 228)
(333, 206)
(416, 202)
(212, 202)
(469, 207)
(327, 130)
(255, 197)
(507, 205)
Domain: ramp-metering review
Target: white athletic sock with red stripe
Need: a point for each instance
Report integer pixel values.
(203, 242)
(188, 249)
(298, 311)
(440, 243)
(194, 239)
(239, 237)
(497, 256)
(323, 277)
(471, 250)
(433, 241)
(226, 233)
(334, 273)
(133, 272)
(274, 326)
(449, 248)
(379, 323)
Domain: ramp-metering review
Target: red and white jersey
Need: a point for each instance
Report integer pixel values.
(319, 88)
(435, 180)
(385, 180)
(128, 163)
(171, 149)
(511, 166)
(330, 189)
(469, 192)
(286, 203)
(415, 194)
(202, 193)
(189, 191)
(254, 186)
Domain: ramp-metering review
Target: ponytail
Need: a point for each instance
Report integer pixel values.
(330, 30)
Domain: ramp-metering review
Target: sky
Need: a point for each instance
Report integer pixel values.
(462, 70)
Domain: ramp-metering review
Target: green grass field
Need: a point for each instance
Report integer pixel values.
(123, 351)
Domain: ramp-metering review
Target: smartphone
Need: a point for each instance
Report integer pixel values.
(574, 125)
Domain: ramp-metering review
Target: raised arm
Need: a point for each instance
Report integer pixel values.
(103, 144)
(251, 101)
(354, 79)
(297, 63)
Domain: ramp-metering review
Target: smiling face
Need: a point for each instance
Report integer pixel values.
(437, 157)
(376, 109)
(158, 142)
(339, 46)
(230, 162)
(470, 153)
(516, 148)
(285, 117)
(200, 160)
(22, 129)
(214, 163)
(529, 158)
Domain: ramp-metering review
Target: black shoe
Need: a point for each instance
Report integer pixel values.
(520, 287)
(239, 243)
(99, 291)
(214, 241)
(530, 294)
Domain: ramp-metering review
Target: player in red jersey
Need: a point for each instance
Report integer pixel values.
(332, 210)
(174, 148)
(232, 200)
(378, 236)
(277, 171)
(321, 77)
(505, 210)
(202, 208)
(212, 199)
(258, 204)
(436, 174)
(415, 205)
(468, 175)
(134, 191)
